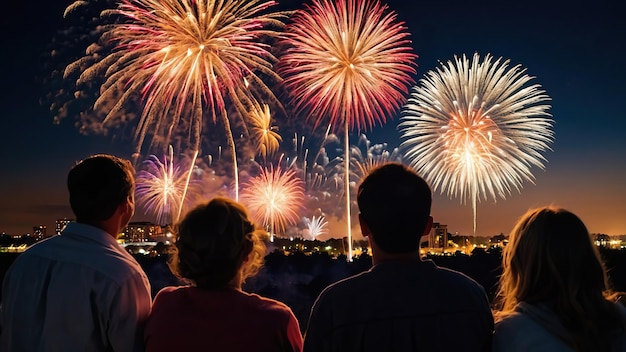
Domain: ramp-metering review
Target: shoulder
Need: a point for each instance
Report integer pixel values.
(168, 302)
(517, 331)
(277, 318)
(349, 285)
(392, 274)
(168, 293)
(271, 313)
(342, 291)
(37, 249)
(457, 283)
(268, 305)
(513, 331)
(120, 267)
(514, 321)
(450, 283)
(100, 254)
(455, 277)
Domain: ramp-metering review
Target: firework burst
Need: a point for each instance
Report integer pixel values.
(475, 129)
(265, 137)
(348, 63)
(274, 198)
(184, 59)
(316, 226)
(161, 188)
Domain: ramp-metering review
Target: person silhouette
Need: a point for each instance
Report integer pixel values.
(217, 249)
(403, 303)
(554, 291)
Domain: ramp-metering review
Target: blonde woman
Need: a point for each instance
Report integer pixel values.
(554, 291)
(217, 249)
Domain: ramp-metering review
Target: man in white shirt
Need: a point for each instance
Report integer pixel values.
(80, 291)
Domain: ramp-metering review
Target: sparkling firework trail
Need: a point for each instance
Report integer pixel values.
(274, 198)
(475, 130)
(363, 161)
(184, 58)
(161, 188)
(348, 63)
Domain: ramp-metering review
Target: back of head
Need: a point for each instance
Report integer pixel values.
(395, 204)
(551, 257)
(214, 241)
(98, 185)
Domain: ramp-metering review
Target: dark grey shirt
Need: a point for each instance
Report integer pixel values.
(401, 306)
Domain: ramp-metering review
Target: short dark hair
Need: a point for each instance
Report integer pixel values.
(213, 241)
(395, 205)
(98, 185)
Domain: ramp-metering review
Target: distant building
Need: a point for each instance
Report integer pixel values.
(165, 235)
(60, 224)
(499, 240)
(606, 241)
(438, 236)
(39, 232)
(142, 231)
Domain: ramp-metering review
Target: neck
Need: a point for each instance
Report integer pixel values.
(108, 227)
(382, 257)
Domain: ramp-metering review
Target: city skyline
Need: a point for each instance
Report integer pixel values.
(571, 48)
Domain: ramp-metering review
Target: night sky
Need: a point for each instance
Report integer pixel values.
(575, 50)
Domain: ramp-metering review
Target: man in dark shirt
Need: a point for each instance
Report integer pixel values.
(402, 303)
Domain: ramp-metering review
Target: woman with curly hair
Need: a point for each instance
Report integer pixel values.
(554, 291)
(217, 248)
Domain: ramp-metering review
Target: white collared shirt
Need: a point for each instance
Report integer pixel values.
(79, 291)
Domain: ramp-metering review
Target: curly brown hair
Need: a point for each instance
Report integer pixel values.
(216, 241)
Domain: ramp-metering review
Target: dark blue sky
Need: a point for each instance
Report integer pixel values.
(575, 50)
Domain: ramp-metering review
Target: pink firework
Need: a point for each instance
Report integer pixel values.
(274, 198)
(161, 187)
(348, 63)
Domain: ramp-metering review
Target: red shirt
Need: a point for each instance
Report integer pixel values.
(190, 318)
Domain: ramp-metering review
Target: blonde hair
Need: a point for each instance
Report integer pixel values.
(551, 259)
(216, 241)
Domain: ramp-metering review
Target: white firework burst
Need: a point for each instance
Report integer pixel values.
(476, 129)
(316, 226)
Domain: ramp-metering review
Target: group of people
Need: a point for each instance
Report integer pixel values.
(81, 291)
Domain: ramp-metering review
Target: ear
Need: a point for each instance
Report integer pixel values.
(365, 230)
(429, 226)
(129, 205)
(127, 209)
